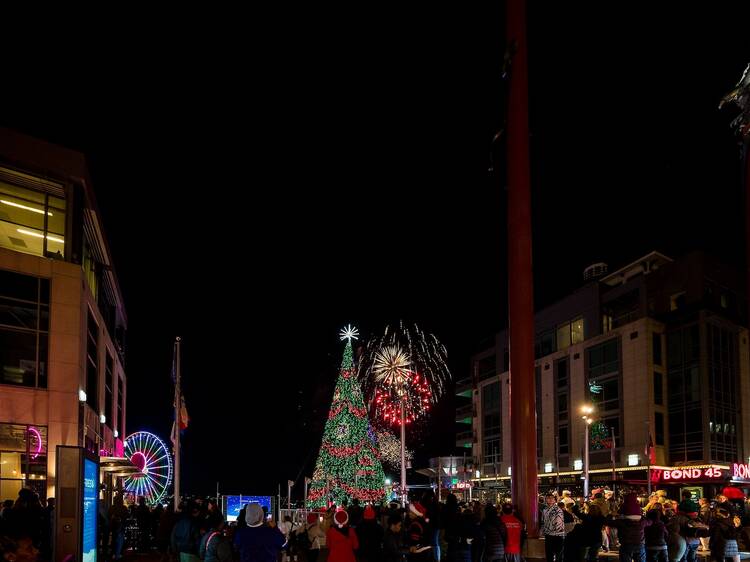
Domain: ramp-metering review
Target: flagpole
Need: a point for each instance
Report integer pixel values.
(612, 458)
(177, 402)
(648, 456)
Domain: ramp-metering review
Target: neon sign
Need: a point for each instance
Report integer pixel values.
(462, 485)
(741, 471)
(691, 473)
(35, 432)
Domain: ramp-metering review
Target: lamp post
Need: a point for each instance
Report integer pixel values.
(586, 410)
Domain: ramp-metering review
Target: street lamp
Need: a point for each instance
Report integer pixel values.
(587, 410)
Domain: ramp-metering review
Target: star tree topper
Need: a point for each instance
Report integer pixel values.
(349, 333)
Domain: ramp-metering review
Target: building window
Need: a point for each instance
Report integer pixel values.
(603, 359)
(723, 388)
(92, 366)
(606, 323)
(538, 380)
(576, 331)
(491, 452)
(23, 459)
(562, 409)
(684, 400)
(563, 336)
(656, 342)
(24, 329)
(658, 389)
(569, 333)
(491, 421)
(545, 343)
(108, 390)
(32, 222)
(658, 428)
(121, 406)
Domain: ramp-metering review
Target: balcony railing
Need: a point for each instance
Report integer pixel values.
(463, 385)
(463, 412)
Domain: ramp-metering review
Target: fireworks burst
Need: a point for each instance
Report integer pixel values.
(403, 368)
(390, 367)
(390, 449)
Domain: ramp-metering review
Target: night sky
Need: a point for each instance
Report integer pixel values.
(261, 189)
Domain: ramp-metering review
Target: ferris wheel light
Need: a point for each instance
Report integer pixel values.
(151, 456)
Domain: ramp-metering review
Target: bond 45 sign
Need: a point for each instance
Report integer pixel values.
(690, 474)
(741, 471)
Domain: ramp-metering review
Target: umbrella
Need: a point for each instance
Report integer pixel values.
(733, 493)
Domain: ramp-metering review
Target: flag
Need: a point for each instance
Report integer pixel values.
(183, 414)
(649, 450)
(612, 447)
(173, 435)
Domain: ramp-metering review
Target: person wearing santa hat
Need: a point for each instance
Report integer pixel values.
(315, 536)
(370, 535)
(416, 535)
(341, 539)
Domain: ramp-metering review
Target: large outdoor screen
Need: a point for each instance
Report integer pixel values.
(90, 509)
(235, 503)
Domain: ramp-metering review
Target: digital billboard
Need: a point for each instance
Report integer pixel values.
(90, 509)
(235, 503)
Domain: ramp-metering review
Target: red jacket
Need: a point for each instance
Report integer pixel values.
(341, 548)
(514, 527)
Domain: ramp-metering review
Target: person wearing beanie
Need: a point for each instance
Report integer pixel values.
(316, 537)
(341, 539)
(630, 529)
(260, 541)
(724, 530)
(370, 534)
(690, 527)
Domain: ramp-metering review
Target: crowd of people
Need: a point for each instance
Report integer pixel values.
(657, 530)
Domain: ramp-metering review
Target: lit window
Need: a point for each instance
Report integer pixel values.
(578, 464)
(548, 467)
(576, 331)
(509, 471)
(632, 460)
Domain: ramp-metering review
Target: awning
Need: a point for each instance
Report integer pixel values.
(117, 466)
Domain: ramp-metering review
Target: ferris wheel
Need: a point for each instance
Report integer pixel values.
(154, 462)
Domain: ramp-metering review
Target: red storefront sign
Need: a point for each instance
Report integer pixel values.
(690, 474)
(741, 471)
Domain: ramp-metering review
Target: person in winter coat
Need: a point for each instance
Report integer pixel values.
(691, 528)
(656, 537)
(591, 527)
(553, 529)
(704, 516)
(459, 534)
(315, 536)
(214, 545)
(417, 534)
(186, 534)
(341, 539)
(630, 529)
(370, 535)
(724, 531)
(514, 530)
(676, 544)
(393, 546)
(495, 535)
(258, 542)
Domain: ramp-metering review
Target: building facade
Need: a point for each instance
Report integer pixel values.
(659, 348)
(62, 317)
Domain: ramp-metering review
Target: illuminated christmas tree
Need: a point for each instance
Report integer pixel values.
(348, 464)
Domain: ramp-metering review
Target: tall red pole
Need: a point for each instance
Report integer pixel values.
(520, 278)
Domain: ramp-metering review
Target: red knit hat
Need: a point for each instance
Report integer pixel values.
(341, 518)
(369, 513)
